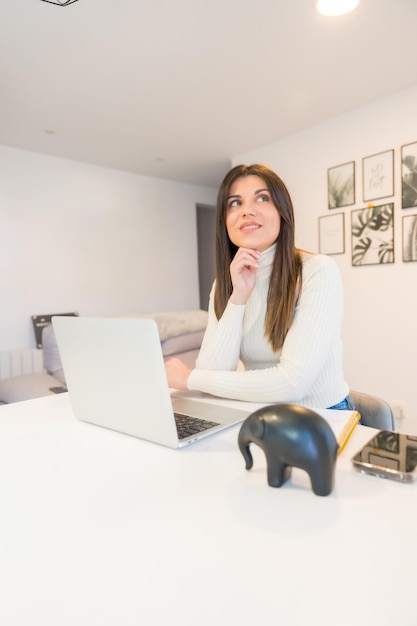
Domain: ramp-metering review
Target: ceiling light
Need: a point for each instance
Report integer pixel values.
(336, 7)
(60, 3)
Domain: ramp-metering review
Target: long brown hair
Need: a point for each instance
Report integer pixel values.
(286, 274)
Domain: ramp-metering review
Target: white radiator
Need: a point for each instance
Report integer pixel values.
(24, 361)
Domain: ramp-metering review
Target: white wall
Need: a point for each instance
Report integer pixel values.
(75, 237)
(380, 332)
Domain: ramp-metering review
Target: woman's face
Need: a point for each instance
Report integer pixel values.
(252, 219)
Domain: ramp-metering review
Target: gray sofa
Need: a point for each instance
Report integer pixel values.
(181, 334)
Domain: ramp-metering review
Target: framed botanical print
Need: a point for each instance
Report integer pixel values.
(409, 175)
(378, 176)
(373, 235)
(409, 238)
(341, 185)
(332, 234)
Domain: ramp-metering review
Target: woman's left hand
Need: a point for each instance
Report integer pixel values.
(243, 271)
(177, 373)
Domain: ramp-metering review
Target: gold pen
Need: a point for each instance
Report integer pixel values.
(347, 431)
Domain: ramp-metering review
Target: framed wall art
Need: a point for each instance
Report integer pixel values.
(40, 321)
(373, 235)
(332, 234)
(409, 175)
(409, 238)
(378, 176)
(341, 185)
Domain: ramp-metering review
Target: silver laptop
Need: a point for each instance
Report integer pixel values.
(116, 378)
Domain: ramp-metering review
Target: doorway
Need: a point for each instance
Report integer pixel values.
(206, 227)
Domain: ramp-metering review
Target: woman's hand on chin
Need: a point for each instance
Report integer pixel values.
(243, 271)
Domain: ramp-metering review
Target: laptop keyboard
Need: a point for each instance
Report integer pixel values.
(187, 425)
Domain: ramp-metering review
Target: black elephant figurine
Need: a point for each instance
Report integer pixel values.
(292, 436)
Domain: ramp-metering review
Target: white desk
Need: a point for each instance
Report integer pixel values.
(102, 529)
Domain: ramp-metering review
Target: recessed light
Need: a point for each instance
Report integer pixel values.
(336, 7)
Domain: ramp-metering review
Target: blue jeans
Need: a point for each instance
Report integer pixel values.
(345, 405)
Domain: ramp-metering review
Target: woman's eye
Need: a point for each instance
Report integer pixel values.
(263, 198)
(233, 203)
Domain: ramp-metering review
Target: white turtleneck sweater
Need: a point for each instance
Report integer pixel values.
(307, 370)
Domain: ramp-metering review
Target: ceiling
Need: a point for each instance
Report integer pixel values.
(175, 88)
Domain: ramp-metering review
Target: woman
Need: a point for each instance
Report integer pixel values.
(275, 308)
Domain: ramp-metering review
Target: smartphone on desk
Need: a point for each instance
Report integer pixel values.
(59, 389)
(389, 455)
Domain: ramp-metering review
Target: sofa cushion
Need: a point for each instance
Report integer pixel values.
(26, 387)
(182, 343)
(176, 323)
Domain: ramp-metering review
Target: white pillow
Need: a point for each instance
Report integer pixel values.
(51, 359)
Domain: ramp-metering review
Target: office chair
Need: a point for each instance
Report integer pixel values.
(374, 411)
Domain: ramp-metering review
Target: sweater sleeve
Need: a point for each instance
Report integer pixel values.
(314, 333)
(220, 348)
